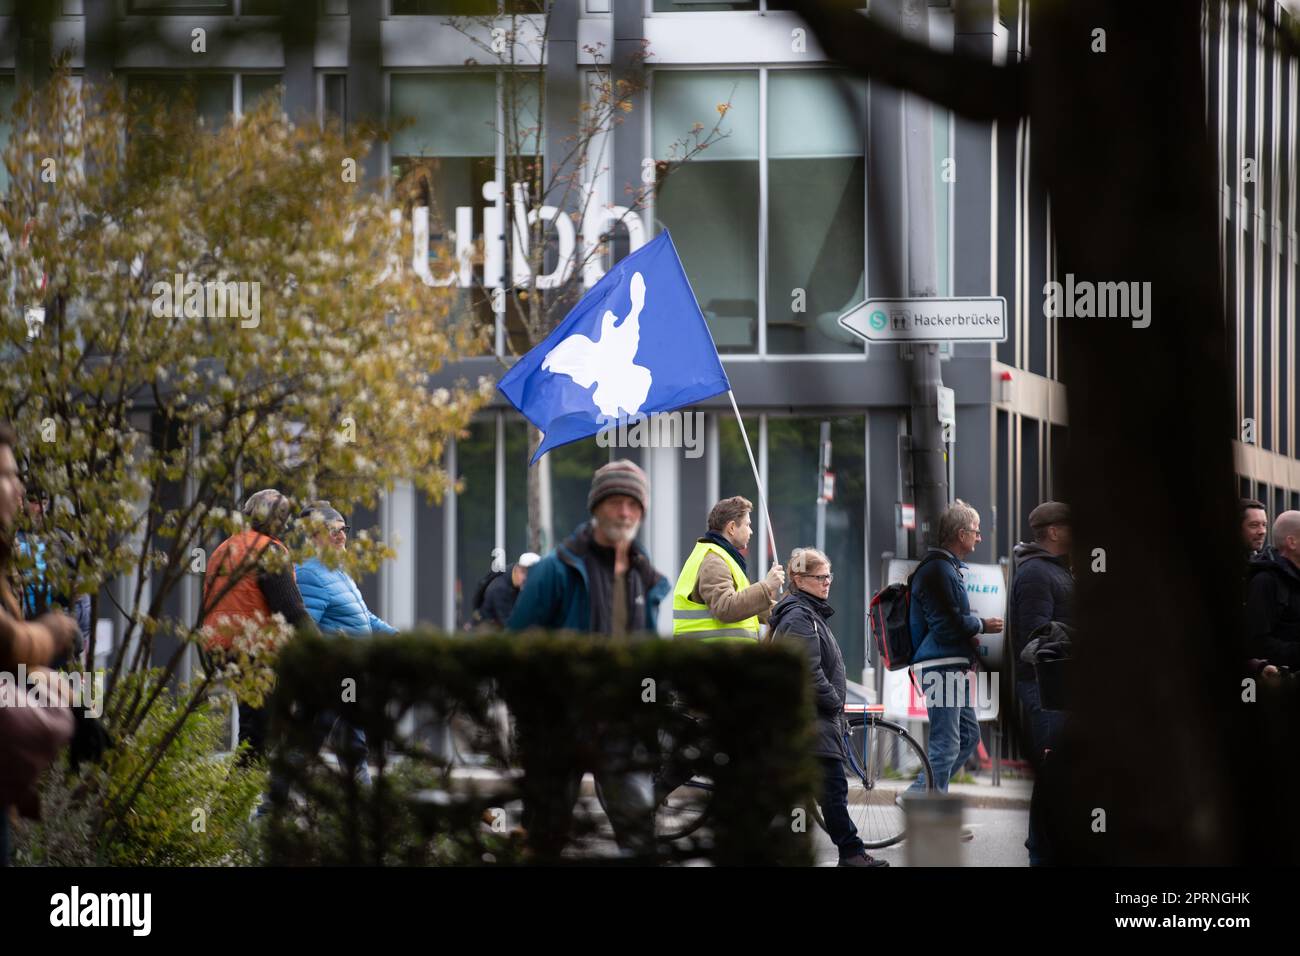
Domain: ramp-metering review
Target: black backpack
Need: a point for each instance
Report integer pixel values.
(480, 592)
(891, 622)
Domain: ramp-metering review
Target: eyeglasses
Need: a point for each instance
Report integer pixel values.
(974, 531)
(823, 578)
(345, 529)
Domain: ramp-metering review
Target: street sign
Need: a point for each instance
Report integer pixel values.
(828, 486)
(929, 319)
(907, 517)
(947, 406)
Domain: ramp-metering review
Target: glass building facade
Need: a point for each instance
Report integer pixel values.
(792, 217)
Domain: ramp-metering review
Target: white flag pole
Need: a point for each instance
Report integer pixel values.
(762, 498)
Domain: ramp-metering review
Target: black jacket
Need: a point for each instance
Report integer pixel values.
(1042, 591)
(499, 599)
(799, 619)
(1273, 610)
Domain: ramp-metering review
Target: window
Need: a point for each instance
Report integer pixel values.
(791, 486)
(211, 95)
(254, 87)
(475, 511)
(816, 209)
(8, 93)
(180, 7)
(334, 96)
(442, 157)
(815, 203)
(464, 8)
(445, 153)
(572, 466)
(693, 6)
(711, 203)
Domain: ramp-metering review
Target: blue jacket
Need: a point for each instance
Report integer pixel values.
(941, 619)
(556, 594)
(335, 603)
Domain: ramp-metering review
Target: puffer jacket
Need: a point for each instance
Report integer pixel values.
(1273, 610)
(799, 620)
(1042, 591)
(335, 603)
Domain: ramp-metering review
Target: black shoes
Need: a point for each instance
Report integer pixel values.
(862, 859)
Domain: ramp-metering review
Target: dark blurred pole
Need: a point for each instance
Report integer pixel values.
(101, 39)
(33, 49)
(1163, 761)
(298, 32)
(929, 458)
(365, 83)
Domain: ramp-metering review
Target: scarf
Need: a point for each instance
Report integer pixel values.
(718, 538)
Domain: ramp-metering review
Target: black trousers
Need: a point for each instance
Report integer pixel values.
(835, 808)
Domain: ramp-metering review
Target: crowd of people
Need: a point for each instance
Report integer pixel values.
(600, 580)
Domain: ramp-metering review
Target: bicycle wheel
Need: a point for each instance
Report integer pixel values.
(883, 759)
(680, 812)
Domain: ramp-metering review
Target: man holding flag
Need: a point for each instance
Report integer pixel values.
(636, 344)
(713, 600)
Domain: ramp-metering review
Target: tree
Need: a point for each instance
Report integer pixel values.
(1119, 139)
(195, 314)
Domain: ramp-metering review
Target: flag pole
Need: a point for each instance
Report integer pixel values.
(762, 498)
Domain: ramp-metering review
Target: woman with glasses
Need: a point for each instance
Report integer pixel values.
(800, 619)
(335, 603)
(333, 599)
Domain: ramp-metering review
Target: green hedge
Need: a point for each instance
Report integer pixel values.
(574, 701)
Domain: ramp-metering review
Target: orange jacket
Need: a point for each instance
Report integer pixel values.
(239, 556)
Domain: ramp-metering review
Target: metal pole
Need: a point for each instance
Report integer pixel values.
(929, 468)
(823, 464)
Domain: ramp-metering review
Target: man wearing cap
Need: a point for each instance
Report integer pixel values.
(1042, 591)
(503, 592)
(598, 581)
(713, 599)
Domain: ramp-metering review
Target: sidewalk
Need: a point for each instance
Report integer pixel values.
(1014, 793)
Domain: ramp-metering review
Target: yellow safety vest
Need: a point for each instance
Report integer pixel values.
(692, 619)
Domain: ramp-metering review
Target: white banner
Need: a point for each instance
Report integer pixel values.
(986, 589)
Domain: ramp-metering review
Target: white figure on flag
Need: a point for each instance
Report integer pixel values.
(608, 361)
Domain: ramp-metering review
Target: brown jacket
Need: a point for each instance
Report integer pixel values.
(715, 588)
(21, 642)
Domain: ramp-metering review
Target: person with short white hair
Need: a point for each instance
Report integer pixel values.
(503, 591)
(945, 638)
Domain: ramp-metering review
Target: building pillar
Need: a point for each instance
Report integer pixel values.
(397, 577)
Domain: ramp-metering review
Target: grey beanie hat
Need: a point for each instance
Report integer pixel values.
(622, 477)
(323, 511)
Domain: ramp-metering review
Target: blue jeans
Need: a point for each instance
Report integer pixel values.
(954, 731)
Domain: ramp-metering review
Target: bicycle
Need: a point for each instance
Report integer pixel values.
(875, 750)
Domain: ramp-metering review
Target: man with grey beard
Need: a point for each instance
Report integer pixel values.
(598, 581)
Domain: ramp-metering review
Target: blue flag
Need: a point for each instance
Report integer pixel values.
(637, 343)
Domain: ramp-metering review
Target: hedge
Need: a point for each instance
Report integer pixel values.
(576, 702)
